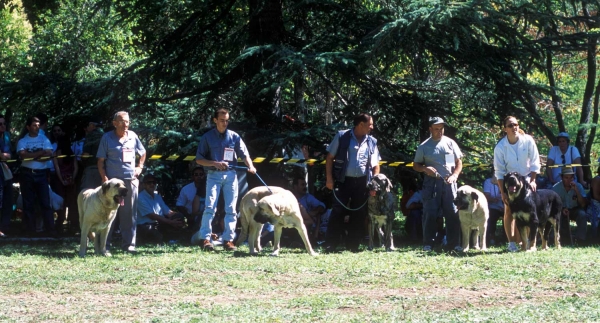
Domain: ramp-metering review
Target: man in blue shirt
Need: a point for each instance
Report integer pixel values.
(313, 207)
(155, 218)
(218, 151)
(116, 159)
(352, 159)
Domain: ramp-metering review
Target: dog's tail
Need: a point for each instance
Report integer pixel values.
(245, 228)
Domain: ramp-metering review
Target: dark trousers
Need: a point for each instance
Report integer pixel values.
(353, 194)
(7, 205)
(34, 186)
(495, 214)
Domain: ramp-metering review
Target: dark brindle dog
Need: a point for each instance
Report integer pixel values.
(531, 210)
(381, 211)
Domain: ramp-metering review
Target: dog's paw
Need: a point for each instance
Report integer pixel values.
(274, 254)
(107, 254)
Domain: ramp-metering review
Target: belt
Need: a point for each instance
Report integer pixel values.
(31, 170)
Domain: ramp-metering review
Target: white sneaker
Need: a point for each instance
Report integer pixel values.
(512, 247)
(427, 248)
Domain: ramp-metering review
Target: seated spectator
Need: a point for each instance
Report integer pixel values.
(574, 203)
(593, 210)
(313, 207)
(155, 219)
(414, 217)
(495, 206)
(564, 154)
(267, 235)
(187, 194)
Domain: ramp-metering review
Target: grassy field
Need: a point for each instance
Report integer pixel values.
(174, 283)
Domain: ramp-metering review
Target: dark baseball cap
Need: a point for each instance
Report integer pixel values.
(436, 120)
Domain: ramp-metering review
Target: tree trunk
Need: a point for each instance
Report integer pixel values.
(582, 133)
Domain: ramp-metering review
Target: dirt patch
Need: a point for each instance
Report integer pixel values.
(100, 302)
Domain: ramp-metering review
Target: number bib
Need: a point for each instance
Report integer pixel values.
(128, 155)
(228, 154)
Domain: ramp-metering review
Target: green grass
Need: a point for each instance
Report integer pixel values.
(48, 282)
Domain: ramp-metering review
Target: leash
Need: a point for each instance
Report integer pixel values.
(347, 208)
(256, 173)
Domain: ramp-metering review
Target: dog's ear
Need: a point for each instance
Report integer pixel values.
(105, 187)
(474, 196)
(267, 204)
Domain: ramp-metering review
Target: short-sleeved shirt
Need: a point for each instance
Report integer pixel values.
(150, 205)
(358, 154)
(219, 147)
(309, 202)
(441, 155)
(494, 191)
(415, 198)
(77, 148)
(555, 155)
(186, 196)
(569, 199)
(120, 157)
(33, 144)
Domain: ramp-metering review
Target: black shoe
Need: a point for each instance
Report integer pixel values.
(330, 248)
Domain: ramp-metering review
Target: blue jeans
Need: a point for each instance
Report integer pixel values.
(34, 184)
(438, 198)
(215, 181)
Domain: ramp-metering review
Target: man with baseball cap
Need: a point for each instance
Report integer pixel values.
(574, 202)
(440, 159)
(563, 154)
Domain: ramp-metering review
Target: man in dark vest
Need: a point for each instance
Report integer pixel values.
(352, 159)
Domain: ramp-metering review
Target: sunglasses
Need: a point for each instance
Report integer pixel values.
(150, 182)
(513, 125)
(201, 174)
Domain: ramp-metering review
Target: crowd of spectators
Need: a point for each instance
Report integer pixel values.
(53, 169)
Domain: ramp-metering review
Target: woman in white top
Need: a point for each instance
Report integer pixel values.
(516, 152)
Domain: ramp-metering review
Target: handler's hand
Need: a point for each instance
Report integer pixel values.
(505, 198)
(533, 186)
(329, 184)
(451, 179)
(430, 171)
(221, 165)
(252, 170)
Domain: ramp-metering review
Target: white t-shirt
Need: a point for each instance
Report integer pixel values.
(33, 144)
(556, 155)
(186, 196)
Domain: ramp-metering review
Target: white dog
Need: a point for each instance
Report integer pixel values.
(279, 207)
(473, 214)
(97, 210)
